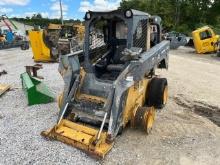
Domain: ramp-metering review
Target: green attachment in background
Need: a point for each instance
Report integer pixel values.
(36, 91)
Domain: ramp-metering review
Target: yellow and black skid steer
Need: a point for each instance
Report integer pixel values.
(115, 85)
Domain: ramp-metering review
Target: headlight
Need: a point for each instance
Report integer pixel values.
(88, 16)
(128, 14)
(129, 78)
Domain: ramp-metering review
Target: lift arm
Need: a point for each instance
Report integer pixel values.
(5, 22)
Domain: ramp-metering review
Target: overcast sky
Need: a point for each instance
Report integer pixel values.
(72, 9)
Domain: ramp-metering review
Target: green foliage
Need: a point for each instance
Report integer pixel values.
(38, 20)
(180, 15)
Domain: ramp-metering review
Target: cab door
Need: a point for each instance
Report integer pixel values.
(207, 41)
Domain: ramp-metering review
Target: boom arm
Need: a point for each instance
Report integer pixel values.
(5, 22)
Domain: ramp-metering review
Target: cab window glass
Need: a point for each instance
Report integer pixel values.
(205, 35)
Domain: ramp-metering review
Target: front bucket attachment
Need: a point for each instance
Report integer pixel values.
(35, 90)
(81, 137)
(4, 88)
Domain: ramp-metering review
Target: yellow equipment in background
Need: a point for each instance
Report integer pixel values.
(2, 38)
(205, 40)
(44, 43)
(80, 29)
(75, 31)
(52, 26)
(40, 51)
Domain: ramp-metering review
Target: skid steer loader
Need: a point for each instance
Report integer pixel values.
(115, 85)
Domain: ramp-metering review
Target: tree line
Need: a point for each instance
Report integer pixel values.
(177, 15)
(38, 20)
(180, 15)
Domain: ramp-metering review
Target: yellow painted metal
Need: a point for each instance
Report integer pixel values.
(83, 96)
(84, 136)
(40, 51)
(60, 100)
(52, 26)
(91, 98)
(80, 30)
(143, 117)
(149, 119)
(80, 136)
(4, 88)
(205, 44)
(135, 98)
(165, 95)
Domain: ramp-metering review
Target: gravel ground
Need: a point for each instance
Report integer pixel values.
(180, 135)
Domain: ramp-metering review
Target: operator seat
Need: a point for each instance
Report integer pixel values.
(116, 64)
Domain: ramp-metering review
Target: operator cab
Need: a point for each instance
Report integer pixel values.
(107, 40)
(205, 40)
(110, 34)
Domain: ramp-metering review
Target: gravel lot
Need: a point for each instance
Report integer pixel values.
(185, 132)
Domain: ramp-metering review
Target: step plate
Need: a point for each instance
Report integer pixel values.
(79, 136)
